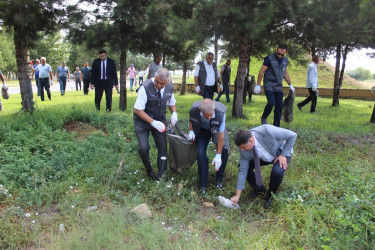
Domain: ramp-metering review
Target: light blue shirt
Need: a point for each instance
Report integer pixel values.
(43, 70)
(62, 71)
(206, 123)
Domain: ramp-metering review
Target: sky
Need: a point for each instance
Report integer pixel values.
(356, 59)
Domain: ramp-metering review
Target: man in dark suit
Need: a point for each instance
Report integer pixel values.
(104, 77)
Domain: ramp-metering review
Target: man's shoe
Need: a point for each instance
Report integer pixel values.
(219, 185)
(263, 120)
(269, 202)
(203, 190)
(152, 175)
(299, 107)
(49, 98)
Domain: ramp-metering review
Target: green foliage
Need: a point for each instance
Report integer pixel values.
(7, 53)
(360, 74)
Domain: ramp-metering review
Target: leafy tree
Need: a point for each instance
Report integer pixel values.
(360, 74)
(7, 53)
(26, 18)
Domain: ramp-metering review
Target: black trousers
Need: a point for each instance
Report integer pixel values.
(103, 86)
(142, 131)
(312, 97)
(86, 85)
(209, 92)
(44, 84)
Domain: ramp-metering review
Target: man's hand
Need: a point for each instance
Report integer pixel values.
(159, 126)
(235, 200)
(51, 82)
(221, 88)
(191, 135)
(257, 89)
(314, 89)
(197, 89)
(117, 86)
(92, 86)
(292, 88)
(282, 161)
(217, 162)
(174, 118)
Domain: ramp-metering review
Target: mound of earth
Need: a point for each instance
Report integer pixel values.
(82, 129)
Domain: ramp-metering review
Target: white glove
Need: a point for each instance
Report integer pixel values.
(257, 89)
(217, 162)
(4, 86)
(159, 126)
(197, 89)
(174, 118)
(221, 87)
(292, 88)
(51, 82)
(191, 135)
(314, 89)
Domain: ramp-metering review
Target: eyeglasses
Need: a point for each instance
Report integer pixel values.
(280, 54)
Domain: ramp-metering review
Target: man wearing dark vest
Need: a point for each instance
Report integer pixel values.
(154, 96)
(225, 76)
(207, 120)
(263, 145)
(274, 69)
(206, 77)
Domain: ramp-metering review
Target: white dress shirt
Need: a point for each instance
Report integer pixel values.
(262, 153)
(210, 80)
(141, 101)
(312, 76)
(101, 69)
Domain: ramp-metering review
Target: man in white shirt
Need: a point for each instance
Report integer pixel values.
(311, 85)
(154, 96)
(206, 77)
(45, 70)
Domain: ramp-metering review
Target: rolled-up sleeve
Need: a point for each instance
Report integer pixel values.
(197, 68)
(173, 100)
(141, 101)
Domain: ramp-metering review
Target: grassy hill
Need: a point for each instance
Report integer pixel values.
(297, 74)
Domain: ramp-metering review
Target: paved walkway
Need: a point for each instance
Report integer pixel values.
(70, 86)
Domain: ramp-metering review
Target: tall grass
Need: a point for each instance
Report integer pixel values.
(326, 199)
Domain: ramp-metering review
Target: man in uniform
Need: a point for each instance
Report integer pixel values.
(154, 96)
(274, 69)
(207, 120)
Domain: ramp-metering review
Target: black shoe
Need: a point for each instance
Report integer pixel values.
(152, 175)
(203, 190)
(269, 202)
(299, 107)
(256, 193)
(219, 185)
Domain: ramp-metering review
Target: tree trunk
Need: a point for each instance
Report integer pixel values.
(313, 51)
(22, 58)
(372, 120)
(344, 56)
(239, 83)
(246, 81)
(336, 84)
(183, 85)
(216, 48)
(163, 62)
(123, 105)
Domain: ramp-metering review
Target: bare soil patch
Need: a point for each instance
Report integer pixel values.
(83, 130)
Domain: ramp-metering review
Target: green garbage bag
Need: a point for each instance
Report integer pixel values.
(182, 152)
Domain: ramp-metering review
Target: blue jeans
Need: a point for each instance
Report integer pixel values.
(131, 83)
(274, 99)
(62, 81)
(226, 90)
(277, 175)
(202, 142)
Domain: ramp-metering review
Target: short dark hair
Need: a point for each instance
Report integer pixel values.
(315, 58)
(242, 136)
(283, 46)
(102, 51)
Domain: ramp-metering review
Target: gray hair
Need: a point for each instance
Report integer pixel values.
(210, 53)
(43, 58)
(163, 74)
(207, 106)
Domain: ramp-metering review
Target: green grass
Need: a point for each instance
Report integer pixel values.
(325, 201)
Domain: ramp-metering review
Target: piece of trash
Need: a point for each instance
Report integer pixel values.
(142, 211)
(220, 218)
(27, 215)
(227, 203)
(168, 228)
(33, 221)
(92, 208)
(61, 228)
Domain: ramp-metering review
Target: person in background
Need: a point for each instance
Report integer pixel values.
(274, 69)
(141, 73)
(311, 85)
(132, 75)
(37, 62)
(77, 77)
(86, 77)
(62, 74)
(45, 70)
(4, 86)
(154, 66)
(225, 76)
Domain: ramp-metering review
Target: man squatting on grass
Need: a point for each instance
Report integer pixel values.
(263, 145)
(154, 96)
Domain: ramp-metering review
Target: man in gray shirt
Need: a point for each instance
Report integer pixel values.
(263, 145)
